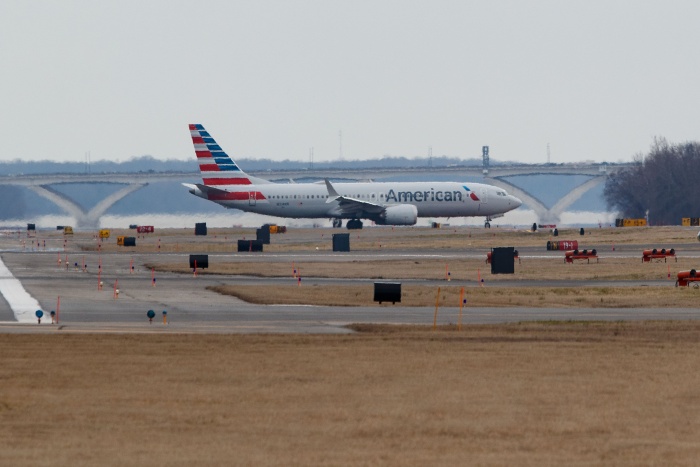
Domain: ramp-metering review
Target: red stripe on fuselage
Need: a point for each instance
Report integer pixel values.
(226, 181)
(235, 196)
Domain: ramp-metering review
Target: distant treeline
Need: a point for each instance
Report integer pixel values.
(665, 183)
(149, 163)
(137, 164)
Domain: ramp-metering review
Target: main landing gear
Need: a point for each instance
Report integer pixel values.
(354, 224)
(337, 223)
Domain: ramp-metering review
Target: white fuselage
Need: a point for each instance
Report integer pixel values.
(312, 200)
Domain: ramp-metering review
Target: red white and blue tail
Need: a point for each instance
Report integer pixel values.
(217, 168)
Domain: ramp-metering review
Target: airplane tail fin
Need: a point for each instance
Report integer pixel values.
(217, 168)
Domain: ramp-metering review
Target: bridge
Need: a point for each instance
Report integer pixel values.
(42, 184)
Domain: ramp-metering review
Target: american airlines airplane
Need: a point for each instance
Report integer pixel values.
(385, 203)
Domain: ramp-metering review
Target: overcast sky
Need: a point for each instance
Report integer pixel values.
(595, 80)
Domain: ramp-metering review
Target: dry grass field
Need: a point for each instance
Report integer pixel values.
(388, 239)
(520, 394)
(468, 269)
(477, 297)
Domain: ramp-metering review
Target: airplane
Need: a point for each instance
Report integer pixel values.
(384, 203)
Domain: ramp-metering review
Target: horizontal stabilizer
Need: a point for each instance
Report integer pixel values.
(202, 190)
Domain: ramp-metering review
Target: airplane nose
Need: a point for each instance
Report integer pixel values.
(516, 201)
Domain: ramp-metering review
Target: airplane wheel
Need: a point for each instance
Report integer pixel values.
(487, 225)
(354, 224)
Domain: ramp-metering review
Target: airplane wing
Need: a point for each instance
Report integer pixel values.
(351, 206)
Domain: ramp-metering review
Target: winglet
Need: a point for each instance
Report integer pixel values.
(332, 194)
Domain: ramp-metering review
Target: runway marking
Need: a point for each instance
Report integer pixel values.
(22, 304)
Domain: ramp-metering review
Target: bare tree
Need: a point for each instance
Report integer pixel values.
(665, 182)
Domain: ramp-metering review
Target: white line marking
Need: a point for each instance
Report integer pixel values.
(23, 305)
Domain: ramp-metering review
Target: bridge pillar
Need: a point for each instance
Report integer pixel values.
(84, 219)
(544, 214)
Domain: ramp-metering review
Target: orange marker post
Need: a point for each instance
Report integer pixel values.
(437, 301)
(153, 277)
(58, 307)
(195, 268)
(461, 304)
(116, 291)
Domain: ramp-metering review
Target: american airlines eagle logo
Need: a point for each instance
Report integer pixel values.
(472, 195)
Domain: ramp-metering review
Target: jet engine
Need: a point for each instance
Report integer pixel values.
(403, 214)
